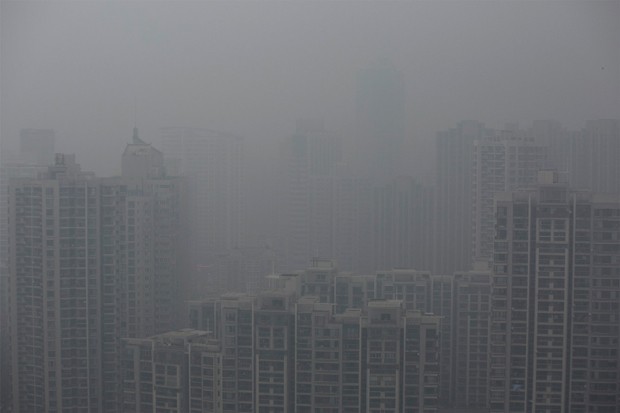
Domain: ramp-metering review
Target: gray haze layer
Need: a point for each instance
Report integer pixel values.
(253, 68)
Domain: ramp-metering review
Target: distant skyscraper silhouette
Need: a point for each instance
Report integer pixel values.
(13, 168)
(308, 174)
(212, 162)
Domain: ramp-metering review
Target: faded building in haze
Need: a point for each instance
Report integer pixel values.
(212, 163)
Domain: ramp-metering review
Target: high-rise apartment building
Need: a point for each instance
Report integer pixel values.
(230, 319)
(381, 356)
(470, 338)
(402, 359)
(308, 173)
(594, 156)
(91, 260)
(176, 372)
(36, 153)
(353, 291)
(9, 169)
(328, 358)
(156, 224)
(503, 162)
(411, 287)
(64, 318)
(453, 196)
(555, 304)
(443, 305)
(212, 162)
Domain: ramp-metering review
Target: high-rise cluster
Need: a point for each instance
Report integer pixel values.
(495, 289)
(91, 260)
(288, 349)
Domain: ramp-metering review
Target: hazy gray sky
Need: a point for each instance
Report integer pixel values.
(252, 68)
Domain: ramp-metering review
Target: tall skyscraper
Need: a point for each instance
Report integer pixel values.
(36, 153)
(9, 169)
(555, 304)
(230, 318)
(307, 195)
(156, 247)
(453, 196)
(64, 317)
(503, 162)
(91, 260)
(212, 162)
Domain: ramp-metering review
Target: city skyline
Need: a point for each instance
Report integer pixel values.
(310, 207)
(256, 68)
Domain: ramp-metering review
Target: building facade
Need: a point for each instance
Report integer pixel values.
(594, 154)
(382, 356)
(503, 162)
(91, 260)
(453, 196)
(555, 311)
